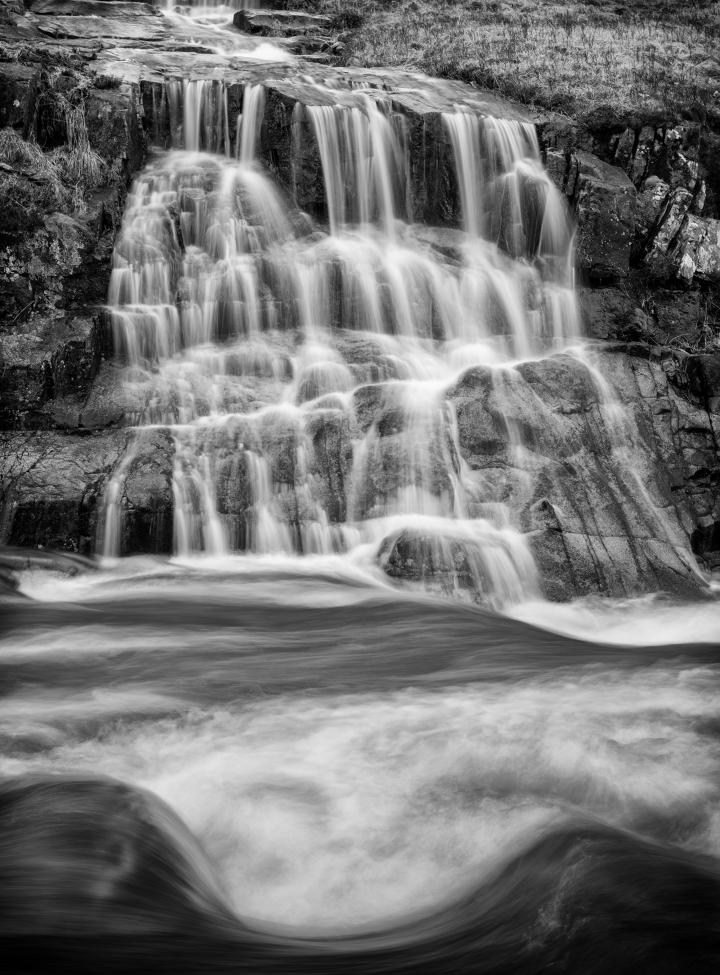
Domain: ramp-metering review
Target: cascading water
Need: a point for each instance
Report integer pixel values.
(287, 764)
(303, 373)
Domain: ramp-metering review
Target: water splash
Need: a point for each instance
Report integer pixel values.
(305, 370)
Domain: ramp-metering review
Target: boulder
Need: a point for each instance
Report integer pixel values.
(475, 562)
(280, 23)
(604, 201)
(579, 473)
(331, 433)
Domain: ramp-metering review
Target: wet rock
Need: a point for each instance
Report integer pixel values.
(54, 485)
(575, 564)
(18, 86)
(560, 384)
(280, 433)
(442, 564)
(368, 362)
(234, 498)
(331, 433)
(379, 405)
(584, 480)
(114, 132)
(147, 496)
(481, 565)
(38, 363)
(289, 147)
(610, 313)
(604, 200)
(91, 8)
(280, 23)
(51, 485)
(434, 194)
(651, 203)
(136, 27)
(703, 373)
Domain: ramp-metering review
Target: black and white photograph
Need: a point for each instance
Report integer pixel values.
(359, 487)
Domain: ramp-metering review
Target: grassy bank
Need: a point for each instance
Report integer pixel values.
(652, 58)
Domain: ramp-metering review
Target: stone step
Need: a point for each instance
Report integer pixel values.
(280, 23)
(102, 28)
(92, 8)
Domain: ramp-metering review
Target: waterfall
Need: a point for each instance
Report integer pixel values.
(362, 162)
(305, 370)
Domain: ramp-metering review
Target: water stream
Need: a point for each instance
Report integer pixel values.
(268, 750)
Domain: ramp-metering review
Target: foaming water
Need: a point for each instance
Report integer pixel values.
(348, 756)
(308, 368)
(209, 25)
(313, 754)
(303, 374)
(269, 753)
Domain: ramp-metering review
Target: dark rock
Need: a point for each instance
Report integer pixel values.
(279, 23)
(138, 27)
(147, 496)
(113, 127)
(546, 440)
(414, 556)
(41, 361)
(381, 405)
(610, 313)
(54, 485)
(651, 203)
(474, 565)
(280, 433)
(18, 87)
(332, 433)
(703, 372)
(604, 200)
(51, 486)
(91, 8)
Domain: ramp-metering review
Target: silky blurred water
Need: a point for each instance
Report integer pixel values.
(348, 754)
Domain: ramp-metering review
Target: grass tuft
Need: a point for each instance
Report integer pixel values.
(78, 162)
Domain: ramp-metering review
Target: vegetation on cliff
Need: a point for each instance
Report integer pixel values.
(647, 57)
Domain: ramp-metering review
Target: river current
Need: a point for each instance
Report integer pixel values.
(333, 775)
(262, 753)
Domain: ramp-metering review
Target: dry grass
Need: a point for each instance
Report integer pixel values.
(62, 178)
(645, 57)
(80, 165)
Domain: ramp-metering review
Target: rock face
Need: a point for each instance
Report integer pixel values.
(280, 23)
(601, 514)
(91, 8)
(75, 129)
(604, 201)
(65, 163)
(54, 486)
